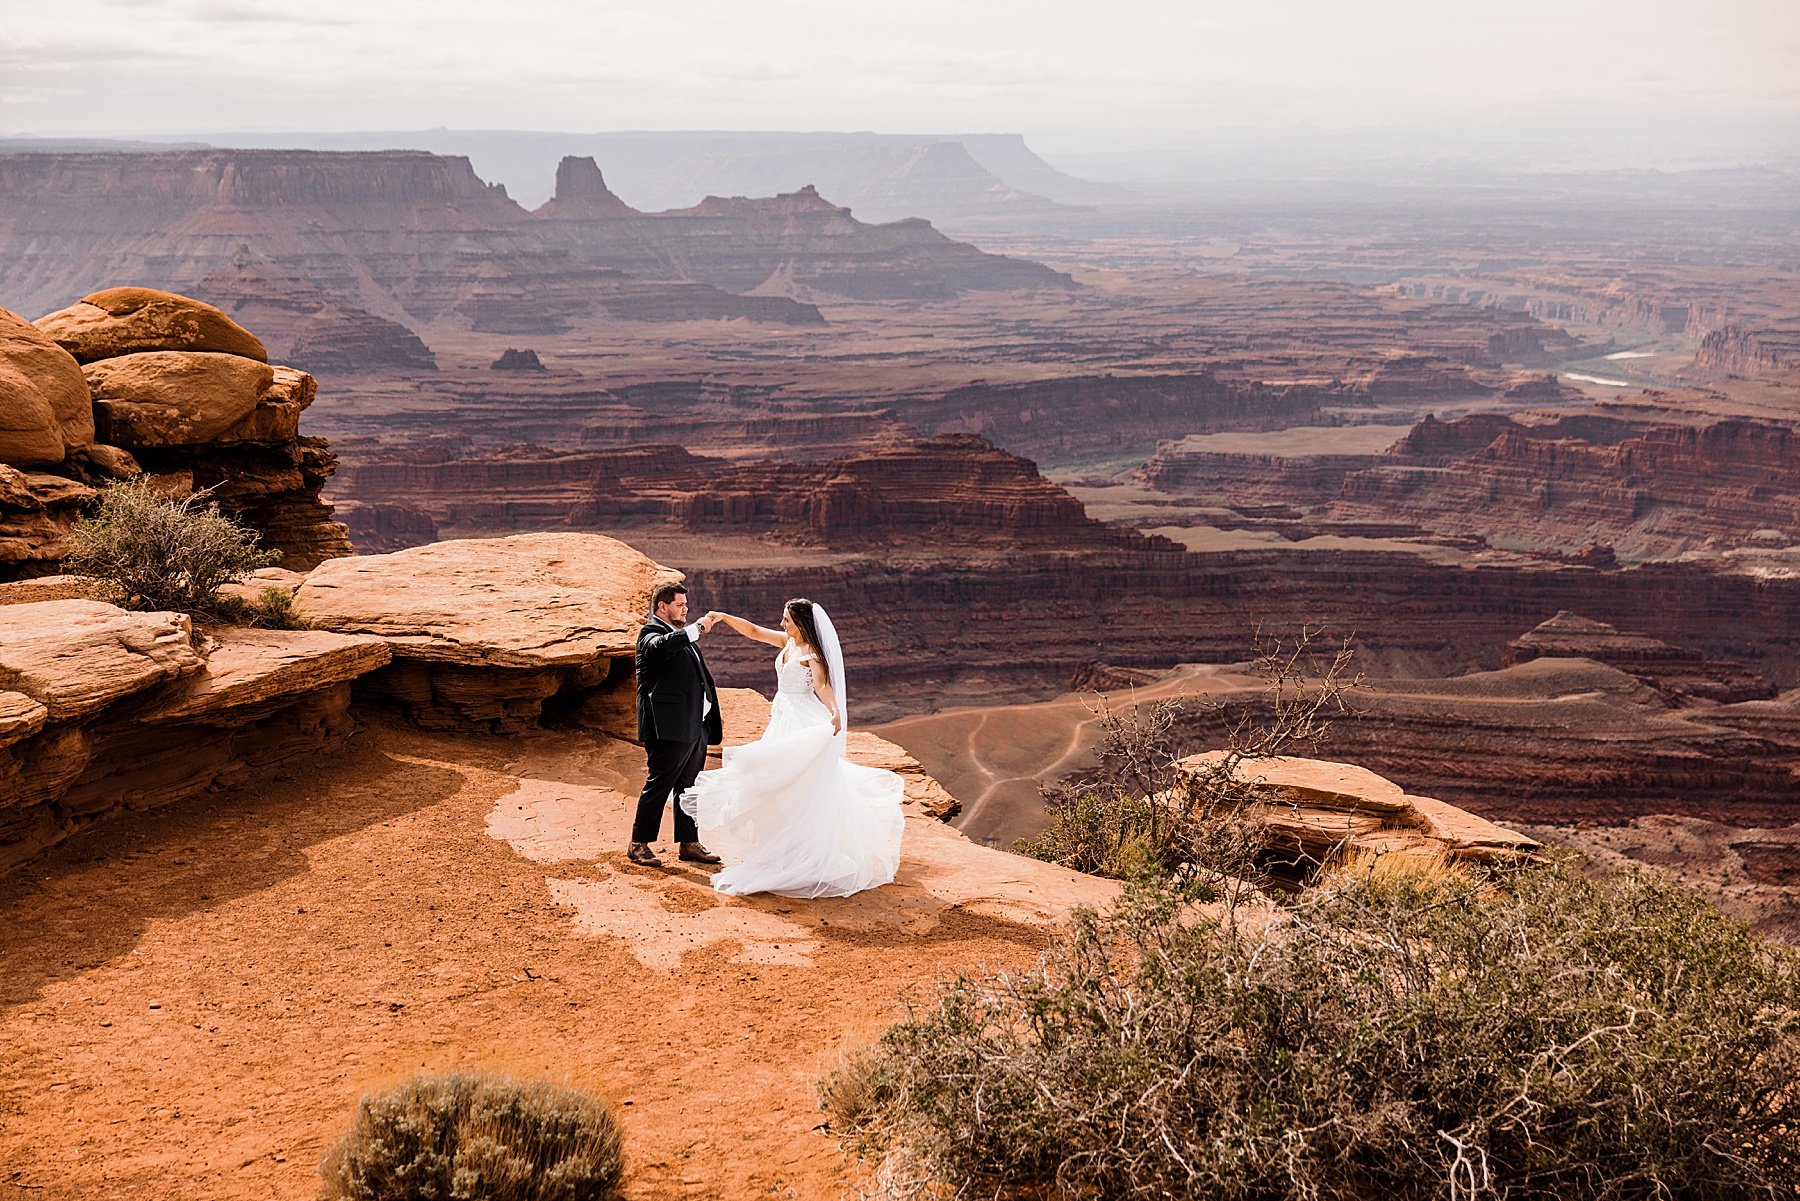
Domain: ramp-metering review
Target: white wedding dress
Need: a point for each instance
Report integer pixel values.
(789, 813)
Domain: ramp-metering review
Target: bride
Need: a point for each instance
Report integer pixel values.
(790, 814)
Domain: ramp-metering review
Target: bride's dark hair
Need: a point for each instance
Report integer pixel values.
(801, 610)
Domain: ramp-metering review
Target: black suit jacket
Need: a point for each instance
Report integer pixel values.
(671, 680)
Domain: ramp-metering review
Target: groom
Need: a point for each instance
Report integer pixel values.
(678, 717)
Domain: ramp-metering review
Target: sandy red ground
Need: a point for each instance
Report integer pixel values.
(194, 1000)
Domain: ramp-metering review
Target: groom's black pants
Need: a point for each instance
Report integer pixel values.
(673, 767)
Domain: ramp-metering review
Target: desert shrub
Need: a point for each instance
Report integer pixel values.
(272, 608)
(150, 551)
(477, 1138)
(1411, 1034)
(1138, 815)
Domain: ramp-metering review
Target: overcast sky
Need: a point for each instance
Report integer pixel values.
(928, 66)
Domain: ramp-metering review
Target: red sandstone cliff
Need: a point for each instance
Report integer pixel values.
(797, 243)
(1773, 351)
(411, 238)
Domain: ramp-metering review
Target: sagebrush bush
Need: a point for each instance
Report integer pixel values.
(1413, 1034)
(272, 608)
(478, 1138)
(156, 552)
(1141, 814)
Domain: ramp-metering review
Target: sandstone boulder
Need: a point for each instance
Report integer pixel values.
(20, 717)
(38, 377)
(112, 462)
(276, 417)
(77, 656)
(1316, 809)
(122, 321)
(54, 373)
(528, 601)
(164, 398)
(29, 435)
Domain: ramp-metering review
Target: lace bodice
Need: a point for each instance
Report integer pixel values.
(793, 671)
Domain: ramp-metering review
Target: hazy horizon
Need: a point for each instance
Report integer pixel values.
(190, 66)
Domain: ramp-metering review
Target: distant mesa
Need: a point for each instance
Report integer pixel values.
(582, 194)
(883, 177)
(787, 204)
(796, 243)
(382, 243)
(512, 359)
(1678, 673)
(1735, 350)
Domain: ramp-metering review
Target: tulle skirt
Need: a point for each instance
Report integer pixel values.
(791, 815)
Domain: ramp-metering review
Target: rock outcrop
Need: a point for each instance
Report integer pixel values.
(1561, 741)
(1772, 352)
(124, 321)
(309, 327)
(515, 359)
(1639, 489)
(174, 398)
(1317, 811)
(1665, 491)
(954, 488)
(103, 710)
(492, 634)
(1678, 673)
(191, 414)
(796, 243)
(418, 239)
(45, 415)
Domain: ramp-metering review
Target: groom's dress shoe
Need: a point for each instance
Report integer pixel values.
(641, 854)
(693, 852)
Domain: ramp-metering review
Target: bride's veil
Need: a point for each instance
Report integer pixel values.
(834, 660)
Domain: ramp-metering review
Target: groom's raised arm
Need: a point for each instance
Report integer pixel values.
(656, 645)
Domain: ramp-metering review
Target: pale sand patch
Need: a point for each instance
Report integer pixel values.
(549, 821)
(635, 912)
(660, 916)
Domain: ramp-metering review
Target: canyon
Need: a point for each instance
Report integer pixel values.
(416, 240)
(1075, 437)
(1059, 450)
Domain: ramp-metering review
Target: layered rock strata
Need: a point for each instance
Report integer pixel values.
(495, 634)
(1317, 811)
(1559, 741)
(309, 327)
(1772, 352)
(1678, 673)
(796, 242)
(171, 386)
(951, 488)
(1639, 490)
(103, 710)
(392, 242)
(1408, 613)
